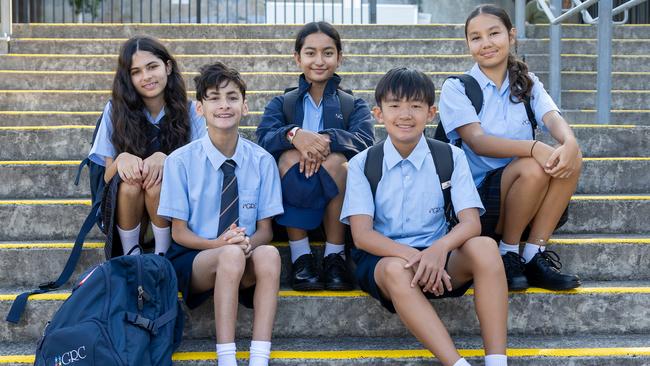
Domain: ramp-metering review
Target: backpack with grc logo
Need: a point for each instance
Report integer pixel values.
(123, 312)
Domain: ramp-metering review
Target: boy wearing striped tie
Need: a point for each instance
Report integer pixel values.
(220, 193)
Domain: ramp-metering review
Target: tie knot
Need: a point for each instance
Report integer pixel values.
(228, 167)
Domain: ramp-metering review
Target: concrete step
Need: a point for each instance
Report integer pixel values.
(103, 80)
(254, 31)
(54, 179)
(613, 308)
(395, 46)
(611, 258)
(73, 142)
(60, 118)
(284, 62)
(84, 100)
(586, 350)
(60, 219)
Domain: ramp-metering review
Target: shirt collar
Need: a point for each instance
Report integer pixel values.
(484, 81)
(216, 157)
(313, 103)
(158, 117)
(416, 158)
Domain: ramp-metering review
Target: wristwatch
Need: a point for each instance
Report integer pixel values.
(291, 134)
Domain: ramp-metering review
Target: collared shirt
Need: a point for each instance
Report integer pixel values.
(499, 116)
(192, 182)
(408, 205)
(313, 114)
(103, 146)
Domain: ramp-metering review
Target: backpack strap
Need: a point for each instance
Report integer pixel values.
(289, 104)
(531, 114)
(18, 306)
(374, 165)
(347, 105)
(472, 90)
(443, 159)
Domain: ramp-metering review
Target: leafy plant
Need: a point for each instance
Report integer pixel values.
(85, 6)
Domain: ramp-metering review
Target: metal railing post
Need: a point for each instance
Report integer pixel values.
(604, 78)
(5, 19)
(520, 18)
(555, 67)
(372, 5)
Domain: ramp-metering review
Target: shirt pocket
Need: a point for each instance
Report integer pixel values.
(432, 206)
(248, 202)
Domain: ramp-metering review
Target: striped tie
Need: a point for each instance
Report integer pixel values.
(229, 198)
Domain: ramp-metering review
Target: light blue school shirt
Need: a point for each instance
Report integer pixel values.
(313, 114)
(408, 206)
(103, 147)
(499, 116)
(192, 182)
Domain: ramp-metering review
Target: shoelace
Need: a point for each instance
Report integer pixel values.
(514, 263)
(336, 262)
(550, 258)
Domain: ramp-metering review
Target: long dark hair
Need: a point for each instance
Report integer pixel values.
(521, 84)
(317, 27)
(129, 121)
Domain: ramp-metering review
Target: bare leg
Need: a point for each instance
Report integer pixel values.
(263, 269)
(479, 259)
(414, 308)
(221, 269)
(130, 205)
(523, 186)
(336, 166)
(151, 200)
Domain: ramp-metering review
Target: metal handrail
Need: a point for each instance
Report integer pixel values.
(5, 20)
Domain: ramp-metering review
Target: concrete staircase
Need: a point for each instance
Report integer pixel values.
(57, 78)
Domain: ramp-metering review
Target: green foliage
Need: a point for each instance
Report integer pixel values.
(85, 6)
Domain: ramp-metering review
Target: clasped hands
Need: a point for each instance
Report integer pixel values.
(314, 149)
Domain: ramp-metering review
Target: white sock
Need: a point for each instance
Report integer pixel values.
(496, 360)
(163, 238)
(299, 248)
(530, 250)
(129, 239)
(260, 353)
(462, 362)
(226, 354)
(334, 248)
(505, 248)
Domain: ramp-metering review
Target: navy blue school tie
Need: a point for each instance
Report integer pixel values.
(229, 197)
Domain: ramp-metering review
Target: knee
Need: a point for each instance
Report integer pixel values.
(153, 192)
(231, 261)
(336, 166)
(483, 254)
(533, 173)
(266, 259)
(288, 159)
(392, 274)
(129, 191)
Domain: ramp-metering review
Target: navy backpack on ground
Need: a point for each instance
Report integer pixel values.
(123, 312)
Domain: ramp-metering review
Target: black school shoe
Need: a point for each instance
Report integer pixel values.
(513, 263)
(304, 276)
(544, 271)
(335, 273)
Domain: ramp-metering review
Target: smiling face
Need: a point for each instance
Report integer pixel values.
(489, 40)
(149, 74)
(404, 119)
(223, 107)
(318, 58)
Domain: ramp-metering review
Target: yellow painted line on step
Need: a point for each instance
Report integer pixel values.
(601, 126)
(617, 159)
(620, 110)
(358, 294)
(49, 55)
(610, 198)
(620, 91)
(93, 245)
(55, 91)
(613, 240)
(242, 40)
(84, 202)
(40, 162)
(20, 113)
(37, 128)
(358, 354)
(57, 72)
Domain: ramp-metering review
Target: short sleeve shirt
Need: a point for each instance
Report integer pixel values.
(192, 182)
(103, 146)
(408, 206)
(499, 116)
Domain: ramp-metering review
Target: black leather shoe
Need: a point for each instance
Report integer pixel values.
(513, 263)
(335, 273)
(544, 271)
(304, 276)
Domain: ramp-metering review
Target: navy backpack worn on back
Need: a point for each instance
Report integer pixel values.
(123, 312)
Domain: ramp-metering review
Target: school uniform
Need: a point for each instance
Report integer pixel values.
(499, 117)
(325, 118)
(407, 207)
(191, 191)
